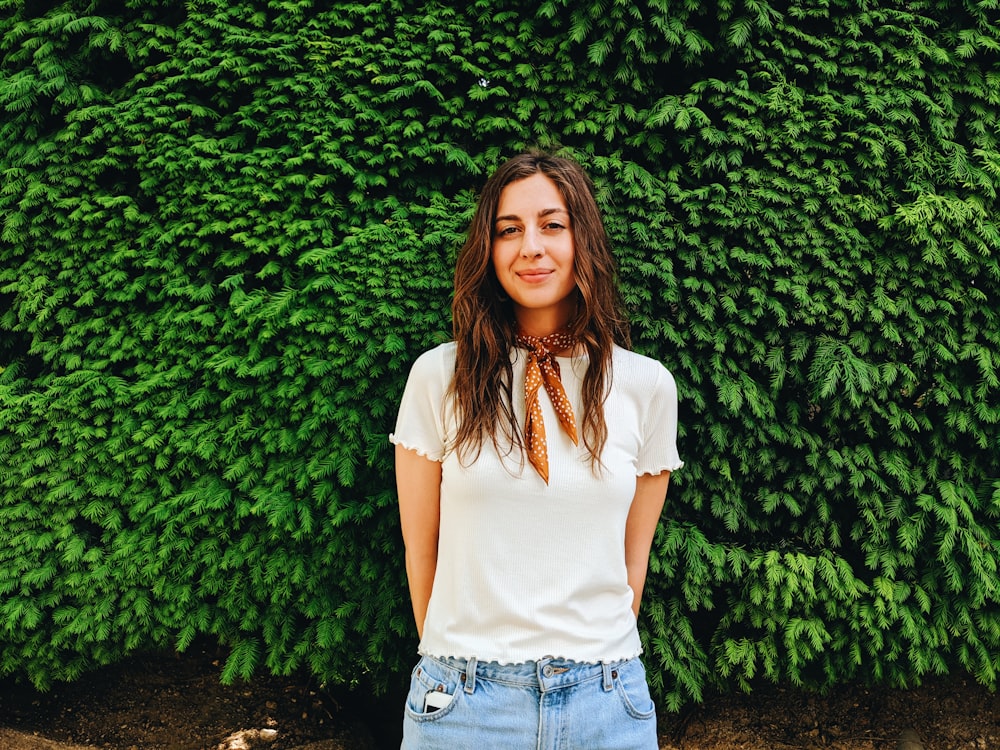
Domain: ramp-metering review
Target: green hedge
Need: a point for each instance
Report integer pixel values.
(228, 228)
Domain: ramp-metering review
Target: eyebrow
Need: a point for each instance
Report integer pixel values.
(541, 214)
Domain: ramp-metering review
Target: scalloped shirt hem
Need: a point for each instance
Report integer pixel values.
(416, 449)
(517, 663)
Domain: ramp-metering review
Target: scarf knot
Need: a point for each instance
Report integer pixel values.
(543, 370)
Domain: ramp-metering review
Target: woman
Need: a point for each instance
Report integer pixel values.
(532, 462)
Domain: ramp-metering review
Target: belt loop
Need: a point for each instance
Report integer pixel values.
(608, 679)
(470, 675)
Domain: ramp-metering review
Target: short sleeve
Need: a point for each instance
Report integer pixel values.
(420, 422)
(658, 452)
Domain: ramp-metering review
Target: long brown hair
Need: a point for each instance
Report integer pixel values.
(485, 329)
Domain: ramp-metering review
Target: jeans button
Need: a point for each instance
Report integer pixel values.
(547, 670)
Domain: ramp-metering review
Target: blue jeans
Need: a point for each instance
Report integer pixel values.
(550, 704)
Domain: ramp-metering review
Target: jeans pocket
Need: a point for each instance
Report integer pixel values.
(430, 676)
(633, 690)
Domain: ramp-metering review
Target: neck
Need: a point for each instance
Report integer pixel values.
(541, 325)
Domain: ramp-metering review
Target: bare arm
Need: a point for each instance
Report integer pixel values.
(643, 516)
(418, 484)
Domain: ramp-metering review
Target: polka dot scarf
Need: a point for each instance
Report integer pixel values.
(543, 369)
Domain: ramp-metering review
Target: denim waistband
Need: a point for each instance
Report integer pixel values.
(545, 674)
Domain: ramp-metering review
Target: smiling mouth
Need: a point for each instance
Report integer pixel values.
(534, 275)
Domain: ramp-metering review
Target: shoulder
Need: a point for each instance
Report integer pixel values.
(634, 370)
(436, 362)
(640, 377)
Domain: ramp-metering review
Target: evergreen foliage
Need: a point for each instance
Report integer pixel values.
(228, 228)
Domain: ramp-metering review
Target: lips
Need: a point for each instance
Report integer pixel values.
(535, 275)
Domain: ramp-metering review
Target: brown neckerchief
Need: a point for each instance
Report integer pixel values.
(543, 369)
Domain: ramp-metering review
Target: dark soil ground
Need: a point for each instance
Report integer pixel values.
(176, 702)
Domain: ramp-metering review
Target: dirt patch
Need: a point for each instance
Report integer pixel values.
(950, 713)
(176, 702)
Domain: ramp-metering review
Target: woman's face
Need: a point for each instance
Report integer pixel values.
(533, 254)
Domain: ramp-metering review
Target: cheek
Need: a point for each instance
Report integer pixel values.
(567, 252)
(501, 260)
(500, 269)
(569, 260)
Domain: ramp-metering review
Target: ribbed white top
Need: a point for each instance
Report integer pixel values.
(528, 570)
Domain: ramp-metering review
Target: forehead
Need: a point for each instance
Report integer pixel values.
(530, 196)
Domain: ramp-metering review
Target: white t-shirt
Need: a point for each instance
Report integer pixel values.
(528, 570)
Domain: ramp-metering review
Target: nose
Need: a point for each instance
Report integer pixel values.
(532, 246)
